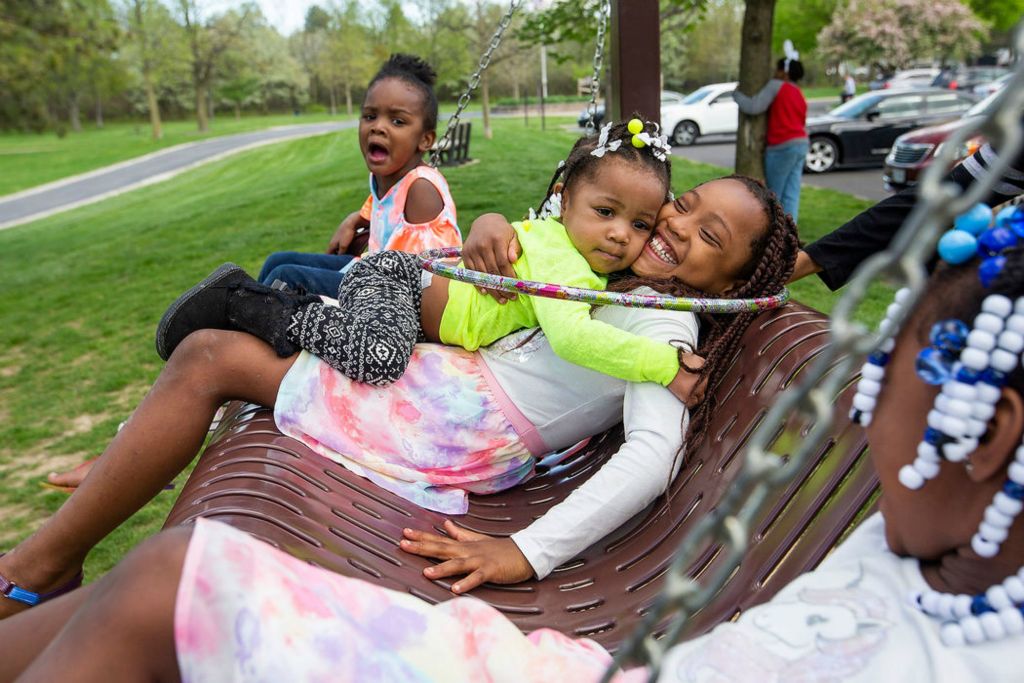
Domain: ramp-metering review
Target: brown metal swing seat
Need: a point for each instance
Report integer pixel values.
(254, 478)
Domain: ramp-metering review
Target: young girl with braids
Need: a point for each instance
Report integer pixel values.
(930, 588)
(456, 420)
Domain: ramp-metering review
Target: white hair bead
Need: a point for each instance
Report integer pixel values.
(911, 478)
(1013, 621)
(893, 310)
(1006, 505)
(987, 393)
(974, 359)
(863, 402)
(1015, 323)
(926, 451)
(956, 452)
(872, 372)
(953, 426)
(1018, 306)
(935, 420)
(973, 632)
(982, 411)
(989, 323)
(958, 390)
(952, 635)
(1016, 472)
(869, 387)
(997, 304)
(992, 625)
(1004, 361)
(995, 517)
(991, 532)
(946, 602)
(928, 469)
(982, 547)
(980, 339)
(957, 407)
(962, 606)
(887, 345)
(887, 328)
(903, 295)
(975, 428)
(998, 597)
(1014, 588)
(1011, 341)
(1018, 456)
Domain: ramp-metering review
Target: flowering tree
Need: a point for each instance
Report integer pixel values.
(891, 33)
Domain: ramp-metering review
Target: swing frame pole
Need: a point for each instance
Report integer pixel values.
(635, 75)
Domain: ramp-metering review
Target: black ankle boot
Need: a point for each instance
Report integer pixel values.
(228, 299)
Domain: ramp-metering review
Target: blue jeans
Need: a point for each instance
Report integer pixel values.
(783, 167)
(316, 273)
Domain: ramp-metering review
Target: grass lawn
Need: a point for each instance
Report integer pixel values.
(85, 289)
(30, 159)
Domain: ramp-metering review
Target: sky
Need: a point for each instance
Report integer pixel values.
(287, 16)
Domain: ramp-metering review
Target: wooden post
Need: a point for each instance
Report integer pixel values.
(635, 60)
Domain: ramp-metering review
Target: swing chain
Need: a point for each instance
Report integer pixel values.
(813, 396)
(474, 81)
(603, 13)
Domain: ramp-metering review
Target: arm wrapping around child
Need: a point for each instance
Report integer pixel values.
(472, 320)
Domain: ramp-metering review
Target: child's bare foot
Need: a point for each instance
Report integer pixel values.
(35, 578)
(71, 479)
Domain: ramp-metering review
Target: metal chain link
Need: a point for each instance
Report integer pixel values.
(904, 263)
(604, 11)
(474, 81)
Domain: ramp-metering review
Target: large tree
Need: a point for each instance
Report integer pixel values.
(756, 67)
(890, 34)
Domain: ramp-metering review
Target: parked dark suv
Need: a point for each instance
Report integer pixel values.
(861, 131)
(914, 151)
(965, 78)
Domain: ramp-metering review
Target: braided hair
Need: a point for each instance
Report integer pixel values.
(773, 255)
(417, 73)
(581, 164)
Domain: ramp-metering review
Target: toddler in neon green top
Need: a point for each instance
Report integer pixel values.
(598, 215)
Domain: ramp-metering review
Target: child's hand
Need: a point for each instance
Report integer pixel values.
(481, 558)
(687, 386)
(492, 247)
(344, 234)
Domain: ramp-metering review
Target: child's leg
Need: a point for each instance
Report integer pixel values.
(316, 273)
(163, 435)
(120, 630)
(369, 337)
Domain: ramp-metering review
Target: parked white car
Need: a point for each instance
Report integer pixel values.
(706, 111)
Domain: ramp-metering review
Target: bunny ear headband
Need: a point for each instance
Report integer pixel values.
(790, 52)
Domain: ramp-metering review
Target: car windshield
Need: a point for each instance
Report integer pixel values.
(855, 107)
(983, 106)
(698, 95)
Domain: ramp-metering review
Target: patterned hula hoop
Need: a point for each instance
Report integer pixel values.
(431, 259)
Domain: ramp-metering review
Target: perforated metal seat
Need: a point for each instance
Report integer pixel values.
(270, 485)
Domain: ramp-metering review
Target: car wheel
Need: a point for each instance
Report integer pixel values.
(822, 155)
(685, 133)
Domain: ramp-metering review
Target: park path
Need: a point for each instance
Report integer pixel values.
(68, 193)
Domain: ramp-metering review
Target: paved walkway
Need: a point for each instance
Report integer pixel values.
(68, 193)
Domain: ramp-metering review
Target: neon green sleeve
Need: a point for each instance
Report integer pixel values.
(575, 336)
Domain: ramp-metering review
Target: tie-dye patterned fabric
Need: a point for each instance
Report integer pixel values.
(430, 437)
(248, 612)
(388, 227)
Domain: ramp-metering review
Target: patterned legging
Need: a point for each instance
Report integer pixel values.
(370, 335)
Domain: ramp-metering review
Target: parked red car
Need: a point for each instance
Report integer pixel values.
(914, 151)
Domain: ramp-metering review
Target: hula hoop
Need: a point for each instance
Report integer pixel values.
(430, 260)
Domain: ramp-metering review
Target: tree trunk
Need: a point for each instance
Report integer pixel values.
(99, 111)
(348, 98)
(485, 99)
(202, 122)
(153, 105)
(73, 113)
(334, 99)
(755, 69)
(238, 111)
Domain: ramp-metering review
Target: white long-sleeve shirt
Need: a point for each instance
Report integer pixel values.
(567, 403)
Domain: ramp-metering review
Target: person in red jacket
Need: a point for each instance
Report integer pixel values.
(787, 131)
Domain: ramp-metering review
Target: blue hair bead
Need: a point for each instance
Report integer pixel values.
(934, 366)
(974, 220)
(950, 336)
(1013, 489)
(1002, 219)
(957, 246)
(880, 358)
(995, 240)
(967, 375)
(989, 270)
(935, 437)
(1015, 221)
(996, 378)
(980, 605)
